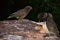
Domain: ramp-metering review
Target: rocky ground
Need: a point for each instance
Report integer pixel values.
(23, 30)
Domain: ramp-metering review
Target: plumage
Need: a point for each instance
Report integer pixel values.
(52, 27)
(20, 14)
(51, 24)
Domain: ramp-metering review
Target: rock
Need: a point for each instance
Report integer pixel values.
(26, 29)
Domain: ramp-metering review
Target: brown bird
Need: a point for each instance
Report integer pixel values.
(20, 14)
(42, 16)
(52, 27)
(51, 24)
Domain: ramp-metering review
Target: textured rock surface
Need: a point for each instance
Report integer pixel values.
(25, 29)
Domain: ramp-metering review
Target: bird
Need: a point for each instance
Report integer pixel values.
(42, 16)
(22, 13)
(51, 25)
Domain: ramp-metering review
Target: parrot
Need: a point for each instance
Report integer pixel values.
(22, 13)
(51, 25)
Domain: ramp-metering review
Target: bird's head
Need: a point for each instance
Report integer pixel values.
(42, 16)
(28, 7)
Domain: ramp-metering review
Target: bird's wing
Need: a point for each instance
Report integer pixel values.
(19, 12)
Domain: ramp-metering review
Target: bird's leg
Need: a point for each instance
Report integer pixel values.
(17, 17)
(39, 20)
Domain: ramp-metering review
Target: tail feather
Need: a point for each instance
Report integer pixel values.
(9, 17)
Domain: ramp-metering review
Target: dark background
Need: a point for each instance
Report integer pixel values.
(7, 7)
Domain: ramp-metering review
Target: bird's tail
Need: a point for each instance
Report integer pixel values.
(9, 17)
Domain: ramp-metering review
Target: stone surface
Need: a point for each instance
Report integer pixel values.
(23, 30)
